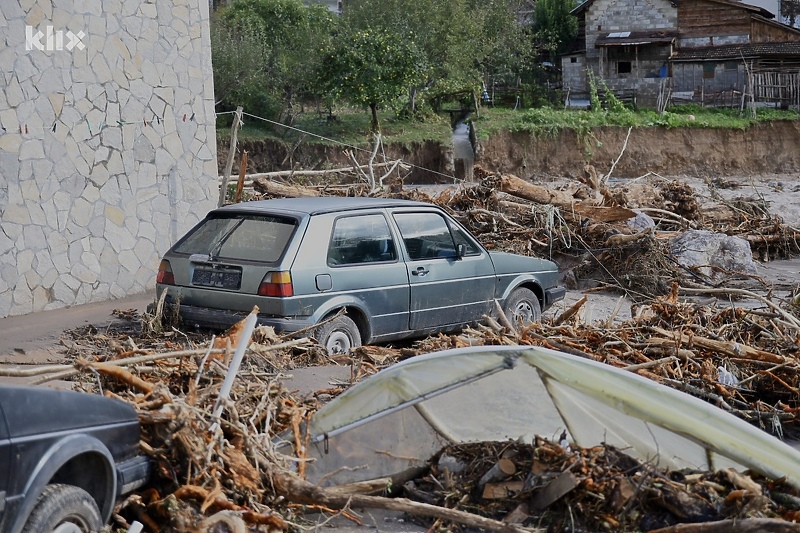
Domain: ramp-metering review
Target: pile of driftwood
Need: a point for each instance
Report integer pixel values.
(556, 487)
(218, 468)
(586, 225)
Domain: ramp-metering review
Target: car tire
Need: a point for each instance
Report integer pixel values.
(339, 335)
(64, 509)
(522, 308)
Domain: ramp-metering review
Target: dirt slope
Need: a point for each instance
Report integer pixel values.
(767, 148)
(763, 149)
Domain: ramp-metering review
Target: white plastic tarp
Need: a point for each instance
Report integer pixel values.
(402, 416)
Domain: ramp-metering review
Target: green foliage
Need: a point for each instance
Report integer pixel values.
(266, 52)
(239, 56)
(594, 97)
(554, 27)
(463, 41)
(372, 68)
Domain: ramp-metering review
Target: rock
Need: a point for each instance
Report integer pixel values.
(715, 255)
(641, 222)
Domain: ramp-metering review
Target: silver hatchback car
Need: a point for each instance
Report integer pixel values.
(350, 270)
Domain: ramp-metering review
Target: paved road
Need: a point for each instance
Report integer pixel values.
(34, 338)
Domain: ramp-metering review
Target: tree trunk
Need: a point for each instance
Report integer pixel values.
(375, 124)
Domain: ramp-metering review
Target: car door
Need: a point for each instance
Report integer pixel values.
(445, 289)
(364, 263)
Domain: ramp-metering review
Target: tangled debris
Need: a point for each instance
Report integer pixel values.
(223, 472)
(555, 487)
(613, 236)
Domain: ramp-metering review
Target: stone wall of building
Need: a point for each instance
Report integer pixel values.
(606, 16)
(107, 148)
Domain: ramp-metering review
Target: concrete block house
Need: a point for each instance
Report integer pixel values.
(706, 51)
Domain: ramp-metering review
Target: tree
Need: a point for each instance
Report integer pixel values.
(460, 39)
(238, 55)
(270, 51)
(554, 26)
(372, 68)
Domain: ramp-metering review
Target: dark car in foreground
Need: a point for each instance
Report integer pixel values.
(351, 270)
(65, 459)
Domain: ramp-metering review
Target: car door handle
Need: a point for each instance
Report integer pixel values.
(420, 271)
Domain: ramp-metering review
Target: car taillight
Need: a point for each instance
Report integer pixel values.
(165, 276)
(277, 284)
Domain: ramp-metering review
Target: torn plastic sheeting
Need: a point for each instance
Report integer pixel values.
(597, 402)
(673, 410)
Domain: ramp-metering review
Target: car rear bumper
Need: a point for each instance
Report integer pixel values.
(554, 295)
(206, 317)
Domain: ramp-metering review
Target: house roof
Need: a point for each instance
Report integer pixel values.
(738, 51)
(733, 3)
(622, 38)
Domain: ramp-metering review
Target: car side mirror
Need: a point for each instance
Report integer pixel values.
(461, 250)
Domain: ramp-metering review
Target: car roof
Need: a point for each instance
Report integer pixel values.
(319, 205)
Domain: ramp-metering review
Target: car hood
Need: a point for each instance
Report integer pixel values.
(37, 410)
(506, 263)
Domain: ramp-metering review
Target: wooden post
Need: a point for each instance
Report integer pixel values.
(242, 172)
(223, 187)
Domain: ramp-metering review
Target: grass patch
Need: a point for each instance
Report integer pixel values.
(348, 127)
(352, 127)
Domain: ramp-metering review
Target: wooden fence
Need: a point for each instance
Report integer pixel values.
(780, 87)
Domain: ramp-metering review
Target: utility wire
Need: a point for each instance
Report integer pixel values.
(339, 143)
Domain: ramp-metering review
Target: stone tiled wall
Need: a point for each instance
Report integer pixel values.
(107, 147)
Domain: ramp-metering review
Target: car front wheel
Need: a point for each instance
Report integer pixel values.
(522, 308)
(339, 335)
(64, 509)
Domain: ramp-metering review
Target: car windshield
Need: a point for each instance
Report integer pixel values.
(243, 237)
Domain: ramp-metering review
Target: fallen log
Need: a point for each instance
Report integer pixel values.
(731, 349)
(515, 186)
(541, 195)
(273, 188)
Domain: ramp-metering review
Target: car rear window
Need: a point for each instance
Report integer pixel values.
(242, 237)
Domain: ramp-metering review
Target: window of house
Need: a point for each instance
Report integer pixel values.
(361, 239)
(709, 70)
(731, 65)
(573, 59)
(623, 67)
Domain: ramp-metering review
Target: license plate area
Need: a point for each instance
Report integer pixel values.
(219, 278)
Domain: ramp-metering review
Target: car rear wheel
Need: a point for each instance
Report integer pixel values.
(339, 336)
(64, 509)
(522, 308)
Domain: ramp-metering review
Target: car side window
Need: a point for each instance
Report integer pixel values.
(463, 238)
(361, 239)
(425, 235)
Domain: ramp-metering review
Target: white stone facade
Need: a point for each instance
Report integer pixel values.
(107, 147)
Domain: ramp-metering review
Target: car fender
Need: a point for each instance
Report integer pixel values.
(52, 460)
(522, 279)
(340, 302)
